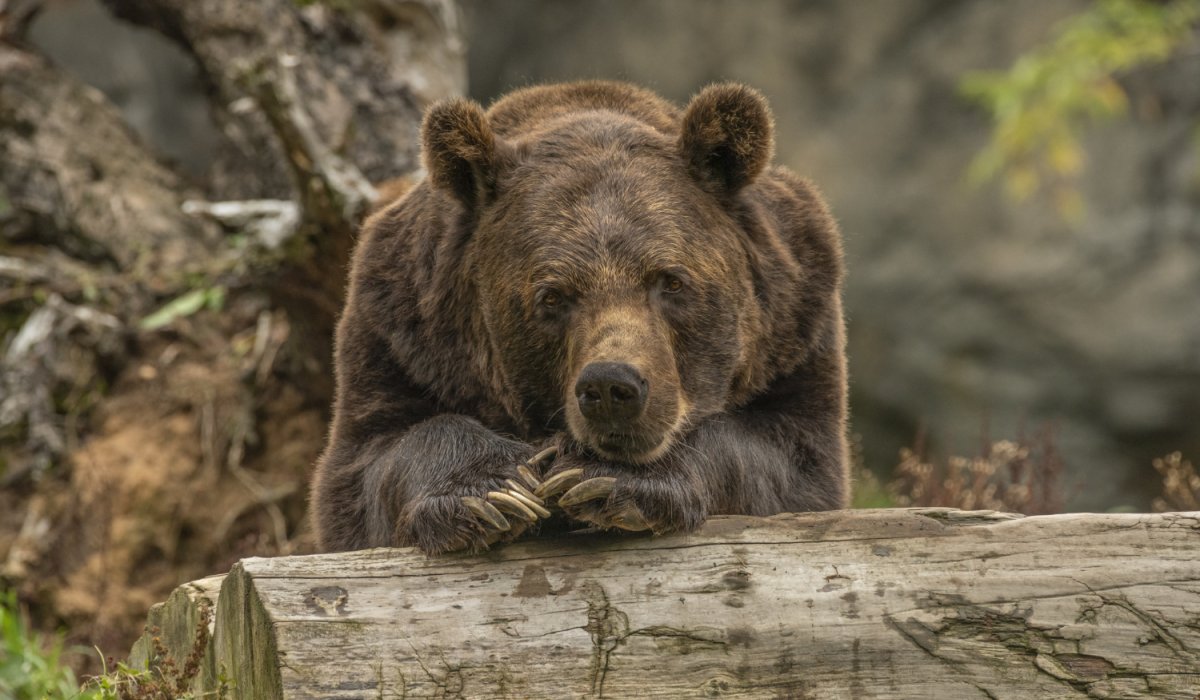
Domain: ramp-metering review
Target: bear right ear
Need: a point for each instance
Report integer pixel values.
(460, 151)
(727, 137)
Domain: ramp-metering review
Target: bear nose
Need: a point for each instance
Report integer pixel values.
(610, 391)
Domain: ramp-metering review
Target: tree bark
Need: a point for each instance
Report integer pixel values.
(905, 603)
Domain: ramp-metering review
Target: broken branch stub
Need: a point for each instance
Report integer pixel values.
(898, 603)
(332, 191)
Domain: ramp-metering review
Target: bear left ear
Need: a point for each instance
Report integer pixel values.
(727, 136)
(460, 151)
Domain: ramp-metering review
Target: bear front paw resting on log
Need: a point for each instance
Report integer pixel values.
(597, 309)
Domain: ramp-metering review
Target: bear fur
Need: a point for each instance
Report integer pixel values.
(572, 240)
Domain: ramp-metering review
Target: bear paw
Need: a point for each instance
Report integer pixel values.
(449, 522)
(626, 502)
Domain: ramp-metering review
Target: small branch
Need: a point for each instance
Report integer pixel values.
(270, 221)
(15, 16)
(33, 366)
(333, 193)
(21, 270)
(30, 543)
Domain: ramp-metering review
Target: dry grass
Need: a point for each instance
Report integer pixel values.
(1180, 487)
(1020, 476)
(166, 679)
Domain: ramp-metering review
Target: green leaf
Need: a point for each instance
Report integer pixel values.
(179, 307)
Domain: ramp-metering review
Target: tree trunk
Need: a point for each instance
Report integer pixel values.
(917, 603)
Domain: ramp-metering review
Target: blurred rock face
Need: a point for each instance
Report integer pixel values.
(967, 313)
(153, 82)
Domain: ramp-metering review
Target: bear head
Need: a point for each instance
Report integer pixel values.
(610, 261)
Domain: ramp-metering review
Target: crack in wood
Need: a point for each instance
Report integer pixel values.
(455, 566)
(443, 684)
(607, 626)
(609, 629)
(1156, 627)
(1083, 590)
(1080, 672)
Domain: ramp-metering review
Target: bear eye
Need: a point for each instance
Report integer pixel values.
(672, 284)
(550, 299)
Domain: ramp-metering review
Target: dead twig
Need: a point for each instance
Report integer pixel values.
(36, 362)
(271, 222)
(332, 191)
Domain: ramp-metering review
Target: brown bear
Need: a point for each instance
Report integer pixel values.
(589, 269)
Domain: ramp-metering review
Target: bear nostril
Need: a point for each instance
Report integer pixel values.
(623, 392)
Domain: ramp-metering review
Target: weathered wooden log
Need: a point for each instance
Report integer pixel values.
(914, 603)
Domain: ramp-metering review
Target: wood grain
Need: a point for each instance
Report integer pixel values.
(903, 603)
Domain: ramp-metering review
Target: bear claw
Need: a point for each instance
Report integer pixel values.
(512, 504)
(623, 515)
(517, 487)
(599, 487)
(525, 496)
(558, 483)
(486, 512)
(630, 518)
(542, 456)
(527, 476)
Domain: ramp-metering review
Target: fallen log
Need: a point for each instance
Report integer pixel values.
(902, 603)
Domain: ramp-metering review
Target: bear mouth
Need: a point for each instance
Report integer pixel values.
(630, 447)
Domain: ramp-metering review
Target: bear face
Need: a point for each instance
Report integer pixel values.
(597, 309)
(592, 261)
(613, 281)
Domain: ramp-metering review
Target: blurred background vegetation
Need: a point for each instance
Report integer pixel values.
(1019, 188)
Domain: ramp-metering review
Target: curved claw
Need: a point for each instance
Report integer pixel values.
(630, 518)
(487, 513)
(599, 487)
(559, 482)
(512, 505)
(530, 479)
(531, 501)
(516, 487)
(542, 456)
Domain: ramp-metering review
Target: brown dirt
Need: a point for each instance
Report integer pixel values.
(197, 457)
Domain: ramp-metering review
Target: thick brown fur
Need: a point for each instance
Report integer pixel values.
(571, 225)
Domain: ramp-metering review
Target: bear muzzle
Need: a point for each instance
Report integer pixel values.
(619, 418)
(624, 400)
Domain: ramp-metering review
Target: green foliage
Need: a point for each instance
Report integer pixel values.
(31, 666)
(125, 683)
(1040, 105)
(167, 678)
(187, 304)
(868, 491)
